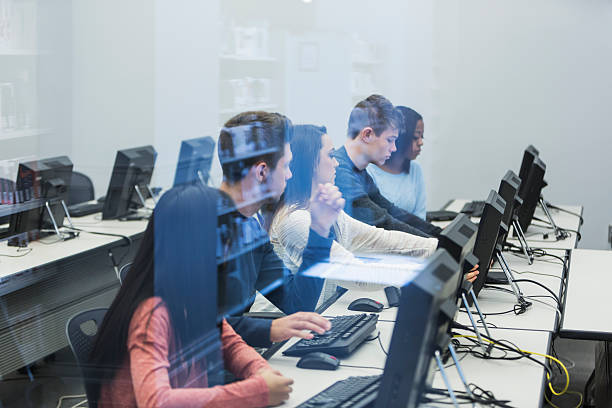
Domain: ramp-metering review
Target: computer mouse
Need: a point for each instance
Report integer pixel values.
(365, 305)
(318, 361)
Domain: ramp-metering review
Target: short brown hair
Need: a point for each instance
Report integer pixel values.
(252, 137)
(375, 111)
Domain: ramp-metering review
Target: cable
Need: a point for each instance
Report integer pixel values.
(565, 211)
(381, 345)
(352, 366)
(479, 396)
(64, 397)
(28, 250)
(548, 374)
(542, 286)
(580, 401)
(108, 234)
(80, 404)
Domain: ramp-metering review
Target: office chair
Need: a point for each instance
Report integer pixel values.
(81, 189)
(6, 185)
(81, 342)
(123, 271)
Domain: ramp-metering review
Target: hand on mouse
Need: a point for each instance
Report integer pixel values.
(278, 386)
(293, 326)
(472, 274)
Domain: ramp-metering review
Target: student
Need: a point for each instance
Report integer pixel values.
(314, 164)
(400, 179)
(255, 156)
(162, 338)
(372, 130)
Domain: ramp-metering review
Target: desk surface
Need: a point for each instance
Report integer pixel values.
(519, 380)
(539, 316)
(534, 233)
(588, 300)
(16, 273)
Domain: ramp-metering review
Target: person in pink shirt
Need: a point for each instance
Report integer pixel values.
(162, 342)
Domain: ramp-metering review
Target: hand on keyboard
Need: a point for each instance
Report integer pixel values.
(278, 386)
(295, 324)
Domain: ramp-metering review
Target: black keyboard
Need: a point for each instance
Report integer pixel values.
(353, 392)
(441, 215)
(83, 209)
(346, 334)
(474, 208)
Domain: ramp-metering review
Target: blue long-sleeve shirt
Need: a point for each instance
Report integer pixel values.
(405, 190)
(365, 202)
(258, 268)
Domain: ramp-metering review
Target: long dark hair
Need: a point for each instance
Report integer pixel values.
(306, 146)
(405, 136)
(175, 262)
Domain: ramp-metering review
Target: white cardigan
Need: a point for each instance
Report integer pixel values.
(289, 235)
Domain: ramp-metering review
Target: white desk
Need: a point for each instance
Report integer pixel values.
(588, 301)
(40, 291)
(538, 316)
(520, 381)
(534, 234)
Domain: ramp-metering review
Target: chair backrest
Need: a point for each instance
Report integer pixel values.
(80, 339)
(123, 271)
(81, 189)
(6, 186)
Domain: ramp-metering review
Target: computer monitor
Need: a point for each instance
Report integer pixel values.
(486, 238)
(133, 167)
(533, 189)
(529, 156)
(508, 190)
(408, 367)
(48, 180)
(195, 160)
(458, 239)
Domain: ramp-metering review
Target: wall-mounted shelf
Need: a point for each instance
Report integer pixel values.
(234, 111)
(19, 133)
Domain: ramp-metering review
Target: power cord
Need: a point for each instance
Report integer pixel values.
(128, 240)
(65, 397)
(527, 354)
(565, 211)
(27, 251)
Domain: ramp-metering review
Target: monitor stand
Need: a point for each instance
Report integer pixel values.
(527, 251)
(560, 234)
(467, 289)
(451, 393)
(520, 298)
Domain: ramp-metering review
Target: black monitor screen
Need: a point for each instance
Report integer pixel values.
(508, 190)
(528, 157)
(133, 167)
(408, 367)
(195, 159)
(486, 238)
(47, 179)
(533, 189)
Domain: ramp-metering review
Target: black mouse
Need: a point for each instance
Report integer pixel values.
(318, 361)
(365, 305)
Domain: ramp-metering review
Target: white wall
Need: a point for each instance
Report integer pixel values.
(513, 73)
(113, 78)
(186, 79)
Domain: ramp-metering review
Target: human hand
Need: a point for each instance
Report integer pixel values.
(472, 274)
(293, 325)
(325, 207)
(278, 386)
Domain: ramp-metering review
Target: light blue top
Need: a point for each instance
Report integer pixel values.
(407, 191)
